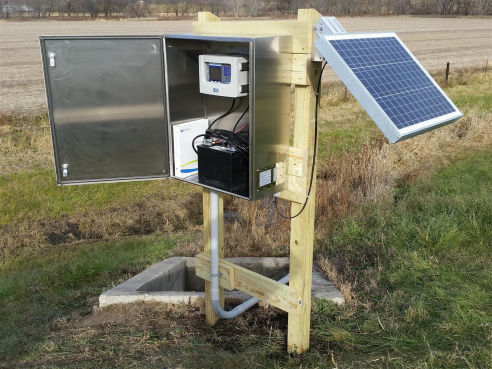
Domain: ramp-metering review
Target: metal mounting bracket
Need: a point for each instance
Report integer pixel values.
(326, 26)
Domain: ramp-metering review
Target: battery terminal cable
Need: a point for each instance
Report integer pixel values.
(238, 138)
(232, 139)
(225, 114)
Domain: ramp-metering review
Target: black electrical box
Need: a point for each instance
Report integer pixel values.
(223, 168)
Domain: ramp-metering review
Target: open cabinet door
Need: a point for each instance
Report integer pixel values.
(106, 101)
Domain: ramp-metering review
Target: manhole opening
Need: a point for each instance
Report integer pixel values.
(182, 278)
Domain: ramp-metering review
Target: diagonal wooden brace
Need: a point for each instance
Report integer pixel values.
(254, 284)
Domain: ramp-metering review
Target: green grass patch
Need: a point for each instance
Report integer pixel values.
(335, 140)
(35, 194)
(422, 262)
(483, 102)
(474, 95)
(34, 292)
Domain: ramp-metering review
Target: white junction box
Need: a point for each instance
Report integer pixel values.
(224, 75)
(185, 158)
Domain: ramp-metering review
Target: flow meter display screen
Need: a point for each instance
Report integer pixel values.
(215, 73)
(223, 75)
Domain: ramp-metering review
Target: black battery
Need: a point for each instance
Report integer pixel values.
(223, 168)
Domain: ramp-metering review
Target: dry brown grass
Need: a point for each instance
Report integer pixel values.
(258, 230)
(154, 335)
(464, 75)
(253, 228)
(148, 215)
(25, 143)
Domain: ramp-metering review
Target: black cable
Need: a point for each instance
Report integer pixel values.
(232, 139)
(223, 134)
(241, 117)
(193, 143)
(225, 114)
(318, 89)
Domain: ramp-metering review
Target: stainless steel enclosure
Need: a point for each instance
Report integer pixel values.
(113, 102)
(106, 103)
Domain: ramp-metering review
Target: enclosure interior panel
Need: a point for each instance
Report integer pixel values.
(273, 124)
(185, 102)
(106, 99)
(268, 100)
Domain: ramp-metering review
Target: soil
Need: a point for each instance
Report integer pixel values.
(464, 42)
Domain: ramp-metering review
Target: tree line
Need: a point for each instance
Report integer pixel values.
(237, 8)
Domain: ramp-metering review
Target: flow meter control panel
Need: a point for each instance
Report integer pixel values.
(224, 75)
(219, 73)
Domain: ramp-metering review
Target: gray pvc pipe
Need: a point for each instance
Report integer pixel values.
(214, 266)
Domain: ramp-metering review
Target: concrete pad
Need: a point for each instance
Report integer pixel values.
(173, 281)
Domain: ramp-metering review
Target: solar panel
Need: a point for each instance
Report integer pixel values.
(389, 83)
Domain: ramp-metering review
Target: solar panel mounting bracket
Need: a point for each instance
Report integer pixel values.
(326, 26)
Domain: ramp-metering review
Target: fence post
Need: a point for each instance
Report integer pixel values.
(447, 72)
(486, 65)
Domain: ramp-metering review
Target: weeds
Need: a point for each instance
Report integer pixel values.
(355, 164)
(418, 270)
(25, 143)
(409, 249)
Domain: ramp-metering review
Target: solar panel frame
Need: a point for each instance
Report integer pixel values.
(367, 100)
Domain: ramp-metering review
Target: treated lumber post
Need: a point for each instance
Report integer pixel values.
(302, 227)
(301, 247)
(207, 17)
(210, 314)
(304, 77)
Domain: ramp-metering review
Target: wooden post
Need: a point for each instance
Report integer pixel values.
(486, 65)
(210, 315)
(303, 78)
(302, 227)
(207, 17)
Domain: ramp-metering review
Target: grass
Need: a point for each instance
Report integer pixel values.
(403, 231)
(419, 262)
(422, 262)
(35, 292)
(473, 94)
(35, 192)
